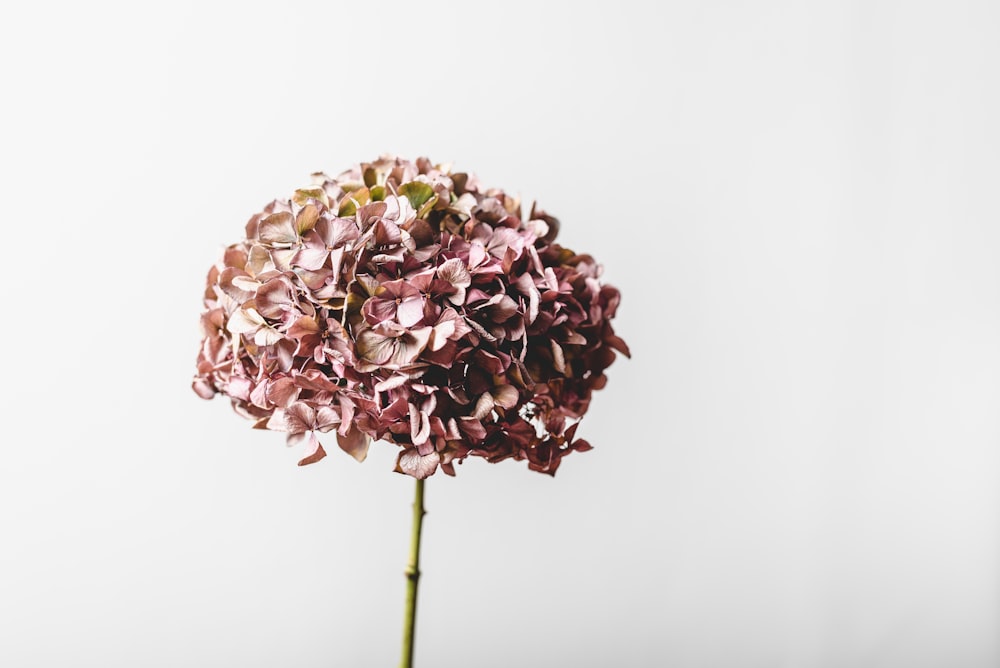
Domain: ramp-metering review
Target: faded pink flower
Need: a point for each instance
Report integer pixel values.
(402, 302)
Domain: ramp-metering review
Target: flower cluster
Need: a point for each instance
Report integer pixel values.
(403, 302)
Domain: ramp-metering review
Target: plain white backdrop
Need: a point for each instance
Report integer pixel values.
(800, 466)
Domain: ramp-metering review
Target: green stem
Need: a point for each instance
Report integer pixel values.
(413, 577)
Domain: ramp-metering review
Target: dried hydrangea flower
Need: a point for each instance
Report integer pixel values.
(400, 301)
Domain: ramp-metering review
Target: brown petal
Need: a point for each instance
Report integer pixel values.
(307, 218)
(558, 359)
(355, 443)
(505, 396)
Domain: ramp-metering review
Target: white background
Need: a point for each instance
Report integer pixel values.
(798, 468)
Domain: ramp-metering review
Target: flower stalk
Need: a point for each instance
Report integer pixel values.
(413, 577)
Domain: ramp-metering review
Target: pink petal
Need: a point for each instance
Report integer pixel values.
(282, 392)
(410, 312)
(326, 418)
(341, 231)
(311, 258)
(526, 286)
(455, 272)
(299, 417)
(376, 348)
(410, 345)
(267, 336)
(420, 426)
(203, 388)
(243, 321)
(278, 228)
(314, 453)
(391, 382)
(419, 466)
(379, 309)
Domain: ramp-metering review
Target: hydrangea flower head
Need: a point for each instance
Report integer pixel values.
(402, 302)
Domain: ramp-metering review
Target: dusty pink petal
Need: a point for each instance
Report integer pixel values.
(203, 388)
(410, 311)
(455, 272)
(378, 310)
(376, 347)
(391, 383)
(274, 298)
(335, 233)
(399, 210)
(237, 284)
(373, 211)
(258, 396)
(267, 336)
(299, 417)
(282, 392)
(396, 411)
(278, 229)
(502, 310)
(441, 333)
(239, 387)
(276, 422)
(503, 239)
(420, 426)
(472, 428)
(244, 321)
(326, 418)
(347, 411)
(311, 258)
(421, 280)
(387, 233)
(525, 284)
(302, 327)
(419, 466)
(409, 346)
(314, 452)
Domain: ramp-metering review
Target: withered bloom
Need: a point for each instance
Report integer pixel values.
(403, 302)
